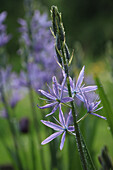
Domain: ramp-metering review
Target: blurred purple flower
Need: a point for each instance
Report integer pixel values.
(40, 44)
(3, 113)
(54, 98)
(11, 86)
(62, 128)
(3, 16)
(89, 80)
(4, 38)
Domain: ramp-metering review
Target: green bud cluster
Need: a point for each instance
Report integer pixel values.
(61, 47)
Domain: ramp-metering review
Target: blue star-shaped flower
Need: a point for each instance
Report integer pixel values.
(55, 98)
(78, 87)
(62, 128)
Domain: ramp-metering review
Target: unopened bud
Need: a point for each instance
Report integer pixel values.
(58, 55)
(24, 125)
(61, 32)
(53, 15)
(67, 52)
(58, 43)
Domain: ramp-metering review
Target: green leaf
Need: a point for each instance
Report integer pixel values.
(106, 104)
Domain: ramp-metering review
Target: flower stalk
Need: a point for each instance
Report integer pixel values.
(59, 35)
(11, 126)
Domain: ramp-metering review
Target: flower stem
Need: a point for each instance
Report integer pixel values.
(36, 125)
(11, 126)
(77, 130)
(61, 45)
(82, 117)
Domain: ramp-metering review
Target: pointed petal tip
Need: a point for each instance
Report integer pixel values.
(83, 68)
(42, 143)
(42, 121)
(48, 114)
(54, 78)
(38, 106)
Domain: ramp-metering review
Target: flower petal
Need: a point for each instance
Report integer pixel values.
(80, 97)
(52, 125)
(54, 109)
(55, 86)
(98, 116)
(61, 116)
(71, 128)
(89, 88)
(98, 109)
(65, 88)
(62, 88)
(48, 95)
(47, 105)
(68, 118)
(71, 83)
(96, 105)
(51, 91)
(80, 78)
(67, 99)
(51, 137)
(62, 140)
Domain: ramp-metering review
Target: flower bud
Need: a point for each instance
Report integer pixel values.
(58, 43)
(67, 52)
(24, 125)
(58, 55)
(53, 15)
(61, 32)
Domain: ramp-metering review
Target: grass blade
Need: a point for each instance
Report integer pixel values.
(106, 104)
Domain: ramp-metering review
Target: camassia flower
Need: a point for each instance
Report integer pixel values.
(62, 128)
(92, 106)
(55, 98)
(78, 87)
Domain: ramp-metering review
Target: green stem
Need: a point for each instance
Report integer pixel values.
(12, 128)
(82, 117)
(61, 46)
(77, 130)
(36, 124)
(74, 114)
(20, 141)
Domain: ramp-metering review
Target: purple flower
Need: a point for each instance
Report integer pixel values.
(16, 96)
(62, 128)
(11, 85)
(37, 41)
(54, 97)
(78, 87)
(4, 38)
(92, 106)
(3, 113)
(3, 16)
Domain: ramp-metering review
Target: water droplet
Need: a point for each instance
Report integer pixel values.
(108, 128)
